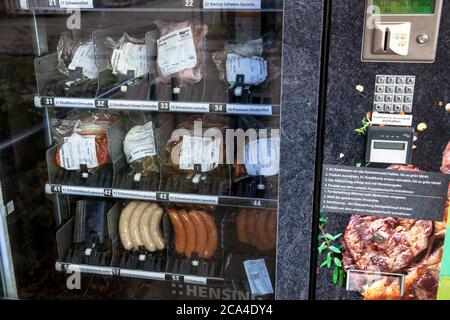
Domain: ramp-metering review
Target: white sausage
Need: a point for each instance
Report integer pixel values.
(134, 224)
(144, 227)
(155, 228)
(124, 229)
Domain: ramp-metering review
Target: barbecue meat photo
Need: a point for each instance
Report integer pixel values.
(421, 282)
(384, 243)
(445, 168)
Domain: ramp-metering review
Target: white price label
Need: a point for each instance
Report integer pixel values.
(133, 105)
(76, 4)
(73, 102)
(388, 119)
(232, 4)
(192, 198)
(263, 110)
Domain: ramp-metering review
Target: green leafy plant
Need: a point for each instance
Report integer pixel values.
(366, 123)
(331, 250)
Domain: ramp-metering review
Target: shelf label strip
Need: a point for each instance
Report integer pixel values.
(161, 106)
(160, 196)
(128, 273)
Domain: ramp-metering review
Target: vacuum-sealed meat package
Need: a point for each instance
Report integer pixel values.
(82, 140)
(202, 151)
(140, 148)
(76, 53)
(250, 59)
(181, 51)
(129, 54)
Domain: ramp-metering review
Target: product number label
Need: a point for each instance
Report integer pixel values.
(174, 277)
(218, 107)
(257, 203)
(53, 3)
(101, 103)
(65, 267)
(115, 272)
(56, 189)
(163, 196)
(108, 193)
(47, 101)
(191, 3)
(164, 106)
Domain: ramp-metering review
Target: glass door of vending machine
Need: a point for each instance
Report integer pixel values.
(163, 145)
(381, 224)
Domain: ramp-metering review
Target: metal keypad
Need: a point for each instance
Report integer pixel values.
(394, 93)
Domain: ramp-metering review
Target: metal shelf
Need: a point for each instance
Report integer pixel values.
(158, 106)
(167, 197)
(138, 274)
(155, 5)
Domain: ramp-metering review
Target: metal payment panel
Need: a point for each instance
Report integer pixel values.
(401, 31)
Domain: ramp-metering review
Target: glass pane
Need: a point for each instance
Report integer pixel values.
(162, 148)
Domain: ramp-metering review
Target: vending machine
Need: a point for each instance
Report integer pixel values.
(160, 140)
(224, 150)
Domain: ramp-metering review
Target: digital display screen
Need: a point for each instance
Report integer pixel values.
(389, 145)
(404, 6)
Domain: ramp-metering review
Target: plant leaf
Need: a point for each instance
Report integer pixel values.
(341, 277)
(334, 249)
(322, 247)
(323, 219)
(335, 275)
(329, 260)
(337, 262)
(337, 236)
(329, 236)
(323, 264)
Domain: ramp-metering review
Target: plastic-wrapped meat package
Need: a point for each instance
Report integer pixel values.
(74, 53)
(139, 146)
(181, 51)
(254, 59)
(197, 153)
(129, 54)
(82, 140)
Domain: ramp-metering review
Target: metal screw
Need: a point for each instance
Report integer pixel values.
(423, 38)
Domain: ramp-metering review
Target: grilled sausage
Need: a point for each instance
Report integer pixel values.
(251, 228)
(124, 225)
(241, 226)
(272, 229)
(200, 232)
(262, 242)
(190, 233)
(180, 233)
(144, 227)
(213, 237)
(155, 228)
(134, 224)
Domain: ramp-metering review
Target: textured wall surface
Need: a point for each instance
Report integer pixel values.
(346, 107)
(301, 74)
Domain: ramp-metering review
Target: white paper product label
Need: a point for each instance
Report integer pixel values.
(130, 56)
(254, 69)
(258, 277)
(199, 151)
(232, 4)
(399, 37)
(78, 150)
(76, 4)
(176, 51)
(392, 119)
(262, 157)
(139, 143)
(84, 58)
